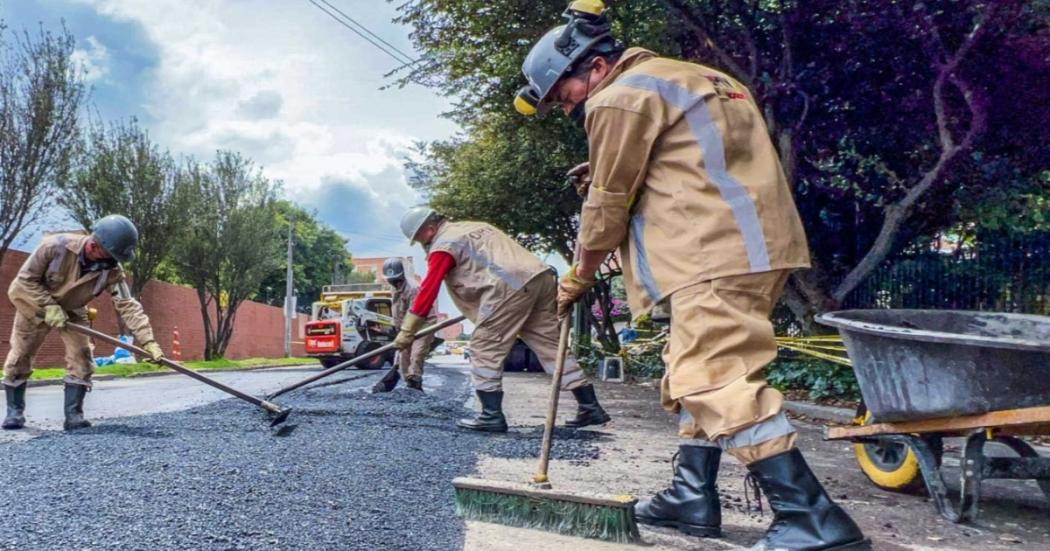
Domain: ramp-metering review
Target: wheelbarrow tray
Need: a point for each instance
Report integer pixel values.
(926, 364)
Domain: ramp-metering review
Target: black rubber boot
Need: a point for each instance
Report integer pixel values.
(588, 410)
(388, 382)
(691, 503)
(491, 417)
(16, 406)
(75, 407)
(804, 517)
(414, 384)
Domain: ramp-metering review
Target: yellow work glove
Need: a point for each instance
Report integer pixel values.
(580, 178)
(570, 288)
(409, 328)
(55, 316)
(154, 351)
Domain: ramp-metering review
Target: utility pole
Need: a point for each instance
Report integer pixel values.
(289, 299)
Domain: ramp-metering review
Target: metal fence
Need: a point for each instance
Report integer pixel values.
(1006, 273)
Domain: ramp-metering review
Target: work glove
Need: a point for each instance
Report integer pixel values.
(409, 328)
(570, 288)
(55, 316)
(580, 178)
(154, 351)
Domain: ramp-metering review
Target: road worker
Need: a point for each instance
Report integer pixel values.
(507, 292)
(685, 183)
(411, 359)
(53, 287)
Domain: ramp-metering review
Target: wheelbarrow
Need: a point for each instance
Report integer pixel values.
(930, 374)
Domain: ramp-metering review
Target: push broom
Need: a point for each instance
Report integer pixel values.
(537, 505)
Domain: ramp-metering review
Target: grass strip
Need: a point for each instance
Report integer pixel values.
(131, 370)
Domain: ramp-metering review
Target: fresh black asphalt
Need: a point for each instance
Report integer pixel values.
(349, 470)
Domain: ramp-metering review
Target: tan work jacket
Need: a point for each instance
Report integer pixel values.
(686, 181)
(490, 266)
(404, 296)
(51, 275)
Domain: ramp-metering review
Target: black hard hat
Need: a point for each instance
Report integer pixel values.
(393, 269)
(117, 235)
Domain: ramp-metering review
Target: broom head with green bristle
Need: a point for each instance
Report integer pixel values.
(603, 517)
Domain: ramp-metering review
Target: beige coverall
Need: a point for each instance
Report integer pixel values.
(413, 357)
(51, 275)
(688, 186)
(508, 293)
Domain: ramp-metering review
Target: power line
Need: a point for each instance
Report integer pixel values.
(358, 33)
(404, 59)
(374, 35)
(376, 236)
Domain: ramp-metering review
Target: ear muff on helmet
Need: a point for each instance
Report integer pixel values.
(558, 52)
(526, 101)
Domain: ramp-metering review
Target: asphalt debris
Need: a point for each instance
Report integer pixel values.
(354, 471)
(578, 447)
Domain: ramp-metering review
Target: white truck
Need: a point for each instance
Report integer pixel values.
(351, 320)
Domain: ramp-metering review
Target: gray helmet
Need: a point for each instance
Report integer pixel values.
(117, 235)
(393, 270)
(555, 55)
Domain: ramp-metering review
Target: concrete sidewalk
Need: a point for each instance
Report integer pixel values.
(634, 453)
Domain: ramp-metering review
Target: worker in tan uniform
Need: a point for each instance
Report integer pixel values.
(411, 359)
(53, 287)
(507, 293)
(685, 183)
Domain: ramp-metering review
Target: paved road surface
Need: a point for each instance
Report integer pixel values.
(351, 470)
(137, 396)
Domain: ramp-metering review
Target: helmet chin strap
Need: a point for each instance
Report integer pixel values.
(579, 111)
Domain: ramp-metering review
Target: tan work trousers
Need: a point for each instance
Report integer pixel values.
(411, 359)
(721, 341)
(27, 334)
(530, 313)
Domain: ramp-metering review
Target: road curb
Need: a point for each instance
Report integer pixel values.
(843, 416)
(107, 377)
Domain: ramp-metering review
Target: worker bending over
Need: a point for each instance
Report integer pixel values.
(54, 286)
(411, 359)
(507, 292)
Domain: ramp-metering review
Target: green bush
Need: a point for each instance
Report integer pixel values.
(821, 378)
(638, 364)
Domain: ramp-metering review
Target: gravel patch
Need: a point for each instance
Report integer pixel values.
(578, 447)
(350, 470)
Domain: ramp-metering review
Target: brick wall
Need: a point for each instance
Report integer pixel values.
(259, 330)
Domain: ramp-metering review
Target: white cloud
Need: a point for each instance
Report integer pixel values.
(285, 85)
(263, 105)
(93, 59)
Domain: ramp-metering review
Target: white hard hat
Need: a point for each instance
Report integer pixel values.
(414, 219)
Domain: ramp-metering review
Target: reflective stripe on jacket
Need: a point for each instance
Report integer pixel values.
(490, 266)
(51, 275)
(685, 179)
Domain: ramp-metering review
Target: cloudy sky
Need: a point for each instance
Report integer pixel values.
(277, 80)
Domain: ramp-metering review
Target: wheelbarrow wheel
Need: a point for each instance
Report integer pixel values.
(891, 465)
